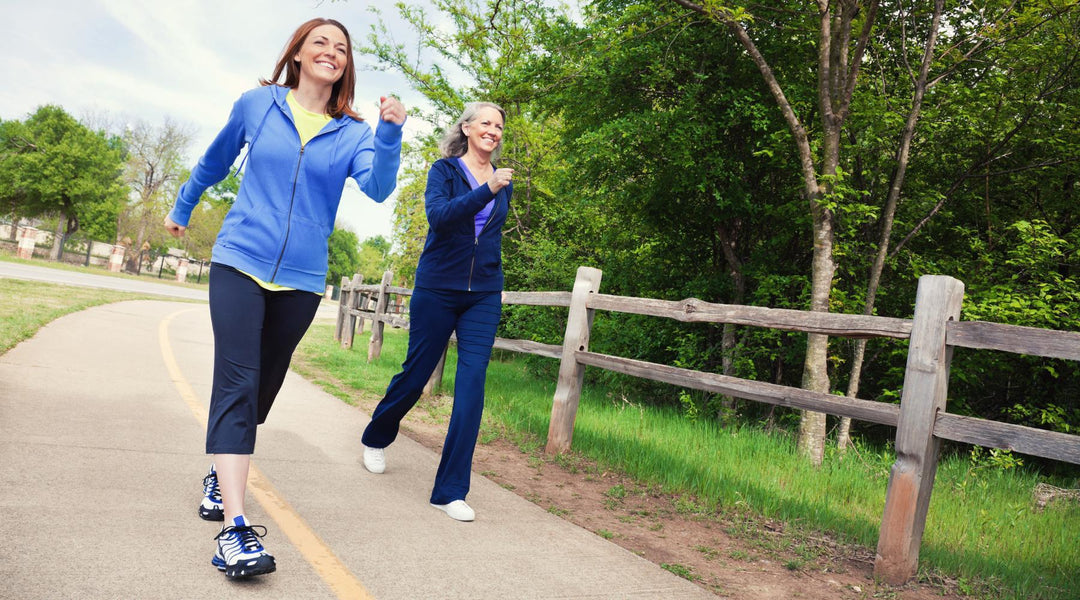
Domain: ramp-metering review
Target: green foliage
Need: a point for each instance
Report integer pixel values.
(222, 193)
(209, 215)
(344, 255)
(994, 458)
(373, 258)
(645, 144)
(410, 221)
(50, 164)
(681, 570)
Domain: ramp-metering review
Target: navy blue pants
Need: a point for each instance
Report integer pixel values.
(255, 333)
(433, 315)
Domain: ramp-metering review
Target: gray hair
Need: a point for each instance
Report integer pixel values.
(455, 143)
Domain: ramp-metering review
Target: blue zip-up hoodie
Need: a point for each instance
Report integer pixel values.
(454, 257)
(279, 224)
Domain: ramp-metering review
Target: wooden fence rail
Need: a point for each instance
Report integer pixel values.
(921, 419)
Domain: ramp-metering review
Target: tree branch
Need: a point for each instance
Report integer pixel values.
(860, 49)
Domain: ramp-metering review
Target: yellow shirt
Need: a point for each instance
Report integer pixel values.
(308, 125)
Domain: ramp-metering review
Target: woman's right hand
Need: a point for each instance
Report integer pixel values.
(500, 179)
(174, 229)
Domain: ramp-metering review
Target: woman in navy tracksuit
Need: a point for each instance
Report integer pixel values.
(269, 262)
(458, 288)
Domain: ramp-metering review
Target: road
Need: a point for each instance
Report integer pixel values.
(124, 284)
(102, 419)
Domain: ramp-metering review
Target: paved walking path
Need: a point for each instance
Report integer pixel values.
(101, 434)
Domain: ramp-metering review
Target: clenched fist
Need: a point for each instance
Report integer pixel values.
(500, 179)
(391, 110)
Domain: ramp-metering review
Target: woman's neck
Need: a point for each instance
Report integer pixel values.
(477, 160)
(313, 98)
(479, 165)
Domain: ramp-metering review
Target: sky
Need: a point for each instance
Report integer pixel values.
(186, 60)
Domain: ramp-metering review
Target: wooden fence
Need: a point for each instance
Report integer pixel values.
(921, 420)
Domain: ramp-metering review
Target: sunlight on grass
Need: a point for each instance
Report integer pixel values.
(29, 305)
(981, 525)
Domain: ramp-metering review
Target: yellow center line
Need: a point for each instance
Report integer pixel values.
(314, 550)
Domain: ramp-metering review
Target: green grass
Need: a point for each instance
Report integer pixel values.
(681, 571)
(982, 528)
(29, 305)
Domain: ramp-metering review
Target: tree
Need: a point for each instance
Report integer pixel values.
(668, 174)
(344, 255)
(153, 171)
(206, 219)
(410, 223)
(373, 258)
(843, 32)
(52, 165)
(487, 42)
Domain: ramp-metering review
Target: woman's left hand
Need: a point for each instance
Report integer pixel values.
(391, 109)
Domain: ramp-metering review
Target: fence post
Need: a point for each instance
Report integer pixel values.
(348, 332)
(435, 380)
(375, 344)
(343, 305)
(27, 241)
(926, 383)
(116, 258)
(363, 300)
(571, 373)
(181, 270)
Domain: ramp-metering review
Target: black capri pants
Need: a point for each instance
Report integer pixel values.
(255, 333)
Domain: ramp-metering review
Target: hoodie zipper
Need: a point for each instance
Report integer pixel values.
(288, 220)
(476, 243)
(292, 194)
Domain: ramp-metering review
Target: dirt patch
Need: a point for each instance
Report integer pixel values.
(734, 557)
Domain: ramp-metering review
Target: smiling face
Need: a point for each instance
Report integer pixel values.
(324, 56)
(484, 131)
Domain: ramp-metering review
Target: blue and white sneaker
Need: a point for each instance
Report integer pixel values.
(211, 509)
(239, 553)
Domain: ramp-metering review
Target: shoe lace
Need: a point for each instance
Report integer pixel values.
(210, 487)
(248, 537)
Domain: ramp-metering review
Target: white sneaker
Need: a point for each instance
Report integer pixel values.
(375, 459)
(457, 510)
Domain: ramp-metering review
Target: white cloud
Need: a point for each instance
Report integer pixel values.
(186, 60)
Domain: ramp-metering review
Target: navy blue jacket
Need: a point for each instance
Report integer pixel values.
(454, 257)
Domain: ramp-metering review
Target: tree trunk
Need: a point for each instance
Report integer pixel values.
(812, 426)
(728, 243)
(902, 156)
(57, 249)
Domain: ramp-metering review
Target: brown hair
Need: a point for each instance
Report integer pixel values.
(341, 96)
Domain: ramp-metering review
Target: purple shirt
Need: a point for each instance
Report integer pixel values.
(481, 217)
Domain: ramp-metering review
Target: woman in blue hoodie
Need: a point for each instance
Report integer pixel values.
(269, 262)
(459, 282)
